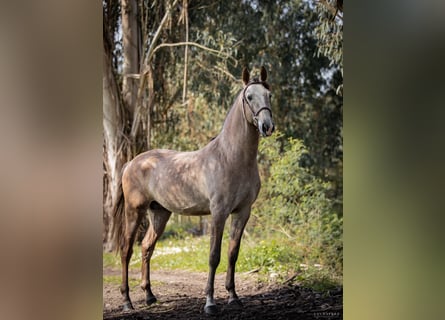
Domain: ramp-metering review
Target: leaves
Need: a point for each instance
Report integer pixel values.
(295, 200)
(329, 33)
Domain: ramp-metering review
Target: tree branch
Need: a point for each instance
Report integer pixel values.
(186, 21)
(145, 70)
(227, 73)
(185, 43)
(158, 33)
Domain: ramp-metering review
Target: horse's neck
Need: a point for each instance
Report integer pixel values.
(238, 138)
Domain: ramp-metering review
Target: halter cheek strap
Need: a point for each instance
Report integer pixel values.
(254, 114)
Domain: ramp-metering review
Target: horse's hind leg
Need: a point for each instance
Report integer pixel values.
(158, 217)
(132, 221)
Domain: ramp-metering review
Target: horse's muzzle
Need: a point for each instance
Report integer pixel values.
(266, 128)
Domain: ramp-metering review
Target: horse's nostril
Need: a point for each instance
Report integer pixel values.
(265, 127)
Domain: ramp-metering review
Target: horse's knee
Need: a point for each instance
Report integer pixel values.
(214, 259)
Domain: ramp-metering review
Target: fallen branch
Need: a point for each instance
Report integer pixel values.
(253, 271)
(291, 278)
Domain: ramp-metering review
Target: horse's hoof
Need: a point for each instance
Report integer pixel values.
(235, 303)
(211, 309)
(127, 306)
(150, 300)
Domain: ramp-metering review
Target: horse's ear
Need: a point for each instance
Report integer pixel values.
(246, 76)
(263, 74)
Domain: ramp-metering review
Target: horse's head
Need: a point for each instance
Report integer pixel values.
(256, 96)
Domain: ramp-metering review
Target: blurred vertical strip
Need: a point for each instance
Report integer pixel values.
(51, 160)
(394, 155)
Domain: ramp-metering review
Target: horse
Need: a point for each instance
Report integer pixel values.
(220, 179)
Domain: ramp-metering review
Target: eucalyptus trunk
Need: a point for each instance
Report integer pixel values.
(111, 129)
(131, 47)
(115, 100)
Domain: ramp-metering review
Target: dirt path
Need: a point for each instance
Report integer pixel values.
(181, 296)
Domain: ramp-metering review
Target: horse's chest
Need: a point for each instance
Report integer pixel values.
(251, 187)
(243, 189)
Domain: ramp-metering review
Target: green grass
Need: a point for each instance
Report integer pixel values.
(276, 260)
(189, 254)
(111, 260)
(192, 256)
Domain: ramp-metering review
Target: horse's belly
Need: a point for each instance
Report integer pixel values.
(194, 211)
(185, 203)
(189, 209)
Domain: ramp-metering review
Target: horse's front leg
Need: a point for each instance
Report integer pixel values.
(238, 223)
(216, 232)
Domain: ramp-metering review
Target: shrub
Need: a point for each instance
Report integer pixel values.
(294, 202)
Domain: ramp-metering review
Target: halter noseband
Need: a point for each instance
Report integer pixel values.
(254, 114)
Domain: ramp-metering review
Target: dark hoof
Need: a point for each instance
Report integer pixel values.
(127, 306)
(150, 300)
(211, 310)
(235, 303)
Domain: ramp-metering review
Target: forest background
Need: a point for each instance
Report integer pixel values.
(171, 71)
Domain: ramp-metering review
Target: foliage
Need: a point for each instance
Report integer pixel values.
(274, 257)
(329, 32)
(294, 202)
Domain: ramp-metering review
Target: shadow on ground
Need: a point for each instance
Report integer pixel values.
(285, 302)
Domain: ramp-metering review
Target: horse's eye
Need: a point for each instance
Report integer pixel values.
(249, 97)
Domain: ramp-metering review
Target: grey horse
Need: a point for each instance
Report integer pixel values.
(221, 179)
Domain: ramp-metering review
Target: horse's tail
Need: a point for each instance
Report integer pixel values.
(118, 226)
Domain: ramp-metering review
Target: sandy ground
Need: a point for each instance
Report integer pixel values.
(180, 295)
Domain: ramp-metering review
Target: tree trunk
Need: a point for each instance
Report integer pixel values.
(131, 54)
(111, 128)
(115, 100)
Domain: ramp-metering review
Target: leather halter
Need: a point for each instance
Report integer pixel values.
(254, 114)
